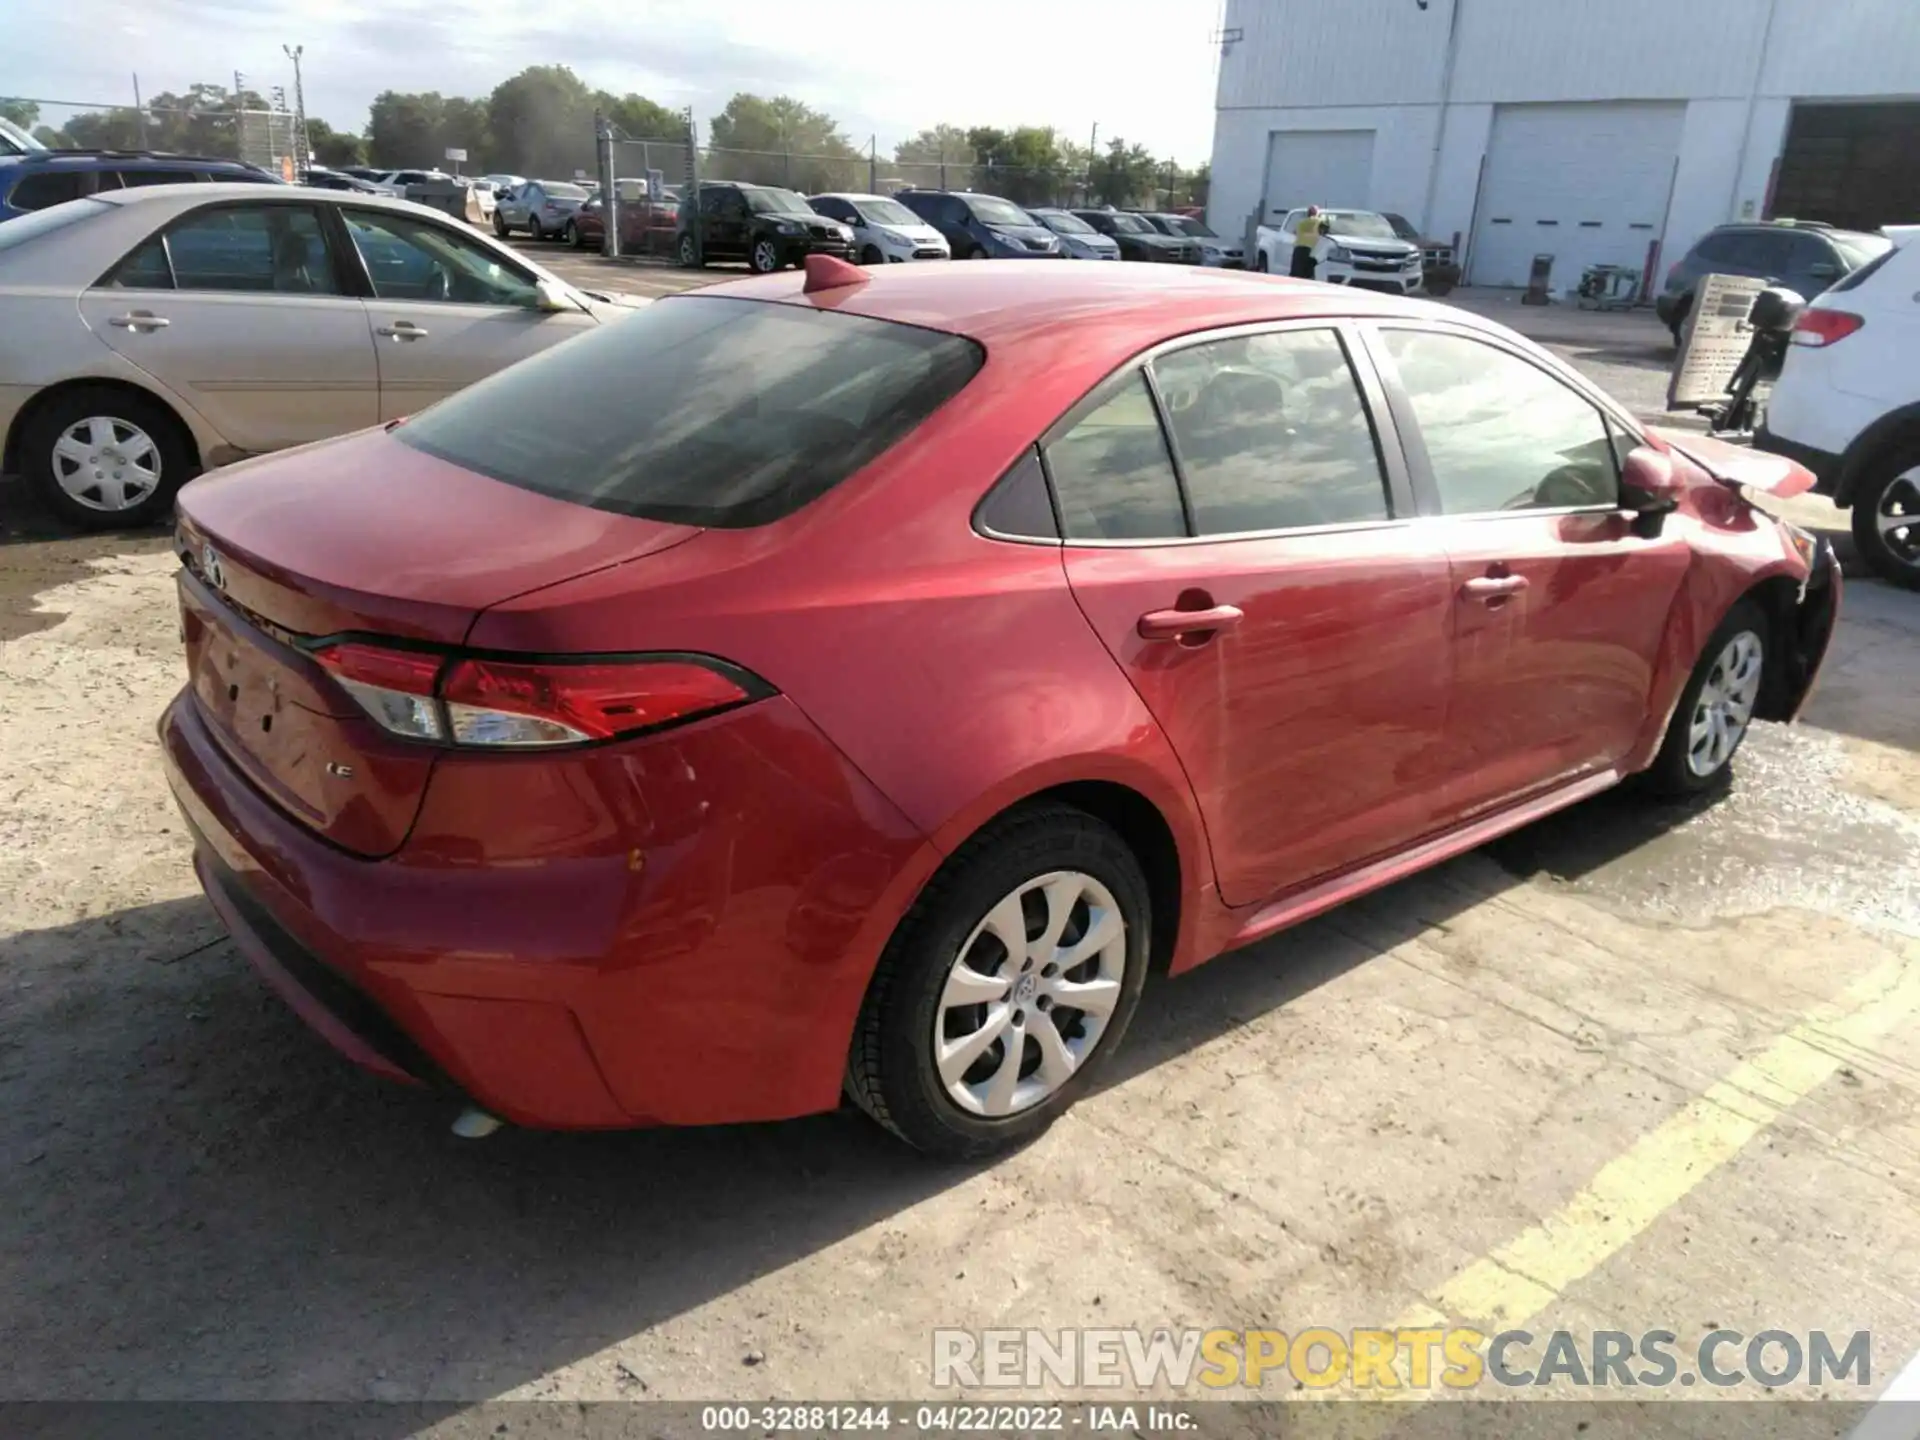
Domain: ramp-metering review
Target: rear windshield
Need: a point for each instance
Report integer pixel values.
(701, 410)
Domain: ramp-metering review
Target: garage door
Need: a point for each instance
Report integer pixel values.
(1318, 167)
(1586, 184)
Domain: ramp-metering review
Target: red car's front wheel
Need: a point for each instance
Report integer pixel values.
(1008, 983)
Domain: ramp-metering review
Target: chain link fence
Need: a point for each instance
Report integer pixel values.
(268, 138)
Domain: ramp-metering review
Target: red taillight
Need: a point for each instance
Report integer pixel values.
(425, 695)
(492, 702)
(1818, 328)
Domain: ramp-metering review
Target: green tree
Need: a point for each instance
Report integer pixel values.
(333, 148)
(942, 150)
(464, 125)
(23, 113)
(781, 141)
(635, 117)
(1125, 175)
(403, 130)
(541, 123)
(1025, 164)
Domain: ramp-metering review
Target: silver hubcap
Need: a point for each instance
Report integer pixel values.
(1898, 518)
(106, 463)
(1725, 706)
(1030, 994)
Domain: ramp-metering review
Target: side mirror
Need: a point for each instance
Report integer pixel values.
(552, 298)
(1650, 487)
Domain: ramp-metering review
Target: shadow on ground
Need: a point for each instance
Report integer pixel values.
(207, 1203)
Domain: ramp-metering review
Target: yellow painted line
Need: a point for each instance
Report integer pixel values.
(1522, 1278)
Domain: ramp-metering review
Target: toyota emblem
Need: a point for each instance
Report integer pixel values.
(210, 563)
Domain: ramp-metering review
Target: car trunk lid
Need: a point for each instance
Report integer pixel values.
(358, 537)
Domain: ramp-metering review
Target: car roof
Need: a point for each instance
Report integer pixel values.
(844, 195)
(1131, 306)
(267, 194)
(107, 158)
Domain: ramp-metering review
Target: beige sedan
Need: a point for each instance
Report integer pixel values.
(148, 334)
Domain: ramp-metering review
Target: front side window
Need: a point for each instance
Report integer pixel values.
(701, 410)
(1501, 434)
(409, 259)
(1272, 433)
(252, 249)
(1112, 473)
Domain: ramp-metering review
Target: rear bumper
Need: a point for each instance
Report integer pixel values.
(675, 931)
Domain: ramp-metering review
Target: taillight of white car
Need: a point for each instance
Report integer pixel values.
(1820, 328)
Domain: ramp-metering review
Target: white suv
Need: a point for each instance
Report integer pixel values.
(1847, 405)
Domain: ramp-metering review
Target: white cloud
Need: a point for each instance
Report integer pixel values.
(1141, 70)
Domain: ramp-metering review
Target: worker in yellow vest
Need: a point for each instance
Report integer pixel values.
(1306, 235)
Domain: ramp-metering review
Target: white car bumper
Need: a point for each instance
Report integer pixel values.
(1394, 282)
(899, 252)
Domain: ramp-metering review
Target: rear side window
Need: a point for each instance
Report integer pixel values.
(1112, 473)
(134, 178)
(147, 268)
(701, 410)
(272, 249)
(52, 187)
(1272, 433)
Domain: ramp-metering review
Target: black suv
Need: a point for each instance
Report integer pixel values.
(1138, 240)
(49, 177)
(1802, 255)
(765, 226)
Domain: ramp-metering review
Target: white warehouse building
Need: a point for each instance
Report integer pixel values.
(1589, 130)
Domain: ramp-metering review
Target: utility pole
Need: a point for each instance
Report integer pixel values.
(1093, 148)
(140, 109)
(302, 158)
(873, 164)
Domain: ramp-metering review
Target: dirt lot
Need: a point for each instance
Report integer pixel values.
(1633, 1068)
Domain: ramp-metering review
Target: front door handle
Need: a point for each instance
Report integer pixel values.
(403, 330)
(1493, 587)
(1176, 624)
(141, 320)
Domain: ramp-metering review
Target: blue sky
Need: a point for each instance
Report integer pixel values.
(1142, 70)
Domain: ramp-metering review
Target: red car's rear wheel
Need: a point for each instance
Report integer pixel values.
(1009, 982)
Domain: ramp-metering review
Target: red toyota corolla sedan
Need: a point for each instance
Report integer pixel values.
(854, 682)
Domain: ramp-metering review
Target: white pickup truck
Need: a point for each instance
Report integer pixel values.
(1360, 248)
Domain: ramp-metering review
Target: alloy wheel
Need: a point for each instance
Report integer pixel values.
(106, 463)
(1897, 518)
(766, 259)
(1724, 708)
(1030, 994)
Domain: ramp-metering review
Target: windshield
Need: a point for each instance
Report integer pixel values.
(1859, 248)
(1363, 224)
(1188, 226)
(776, 202)
(14, 140)
(1062, 223)
(560, 190)
(1132, 225)
(701, 410)
(992, 210)
(886, 212)
(55, 217)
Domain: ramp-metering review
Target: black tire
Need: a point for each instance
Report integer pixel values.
(872, 256)
(891, 1070)
(1894, 562)
(534, 232)
(763, 258)
(1671, 774)
(974, 252)
(689, 253)
(1678, 325)
(500, 225)
(570, 235)
(1266, 265)
(171, 440)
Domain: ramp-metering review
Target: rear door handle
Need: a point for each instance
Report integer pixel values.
(141, 320)
(1173, 624)
(1492, 587)
(403, 330)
